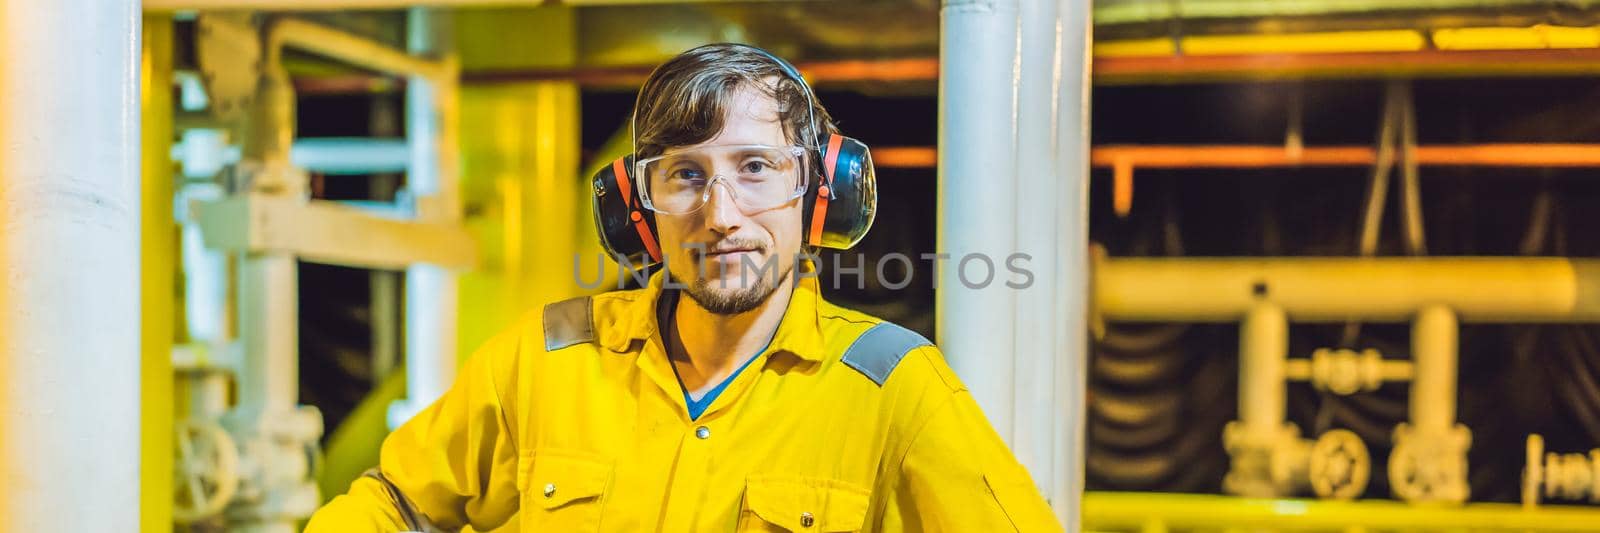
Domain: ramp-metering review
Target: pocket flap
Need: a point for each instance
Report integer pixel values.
(553, 478)
(799, 503)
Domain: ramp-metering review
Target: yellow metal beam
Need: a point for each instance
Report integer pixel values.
(1447, 39)
(1479, 289)
(1535, 37)
(158, 265)
(1129, 511)
(326, 231)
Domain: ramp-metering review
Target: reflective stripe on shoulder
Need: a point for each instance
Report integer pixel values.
(879, 350)
(568, 322)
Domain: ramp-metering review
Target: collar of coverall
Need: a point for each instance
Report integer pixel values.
(798, 333)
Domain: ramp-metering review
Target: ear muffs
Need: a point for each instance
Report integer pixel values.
(843, 200)
(838, 208)
(626, 228)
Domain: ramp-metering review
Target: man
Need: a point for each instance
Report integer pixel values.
(751, 404)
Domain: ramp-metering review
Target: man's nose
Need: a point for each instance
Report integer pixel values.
(722, 210)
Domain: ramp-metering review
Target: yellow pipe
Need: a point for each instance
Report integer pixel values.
(1259, 445)
(1306, 43)
(1263, 355)
(1124, 511)
(157, 264)
(1434, 337)
(1135, 48)
(1478, 289)
(1539, 36)
(1494, 38)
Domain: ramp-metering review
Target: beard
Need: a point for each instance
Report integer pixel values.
(717, 298)
(734, 300)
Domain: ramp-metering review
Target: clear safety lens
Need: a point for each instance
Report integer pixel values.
(759, 177)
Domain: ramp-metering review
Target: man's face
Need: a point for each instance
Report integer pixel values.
(731, 260)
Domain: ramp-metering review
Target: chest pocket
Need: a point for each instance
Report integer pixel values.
(562, 490)
(802, 504)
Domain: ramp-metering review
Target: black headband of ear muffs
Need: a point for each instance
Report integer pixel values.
(840, 201)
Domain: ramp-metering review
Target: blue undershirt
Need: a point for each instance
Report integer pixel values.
(666, 311)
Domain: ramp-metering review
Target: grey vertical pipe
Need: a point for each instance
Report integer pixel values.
(430, 309)
(1072, 266)
(1035, 232)
(69, 265)
(978, 65)
(269, 328)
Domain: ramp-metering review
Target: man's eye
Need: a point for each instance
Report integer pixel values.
(686, 174)
(756, 167)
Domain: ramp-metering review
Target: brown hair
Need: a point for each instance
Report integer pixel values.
(684, 100)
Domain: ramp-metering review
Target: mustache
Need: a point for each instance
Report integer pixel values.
(701, 250)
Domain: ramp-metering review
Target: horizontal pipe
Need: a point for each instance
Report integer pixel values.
(1478, 289)
(1388, 370)
(350, 155)
(1108, 70)
(1135, 511)
(1168, 69)
(1115, 63)
(1537, 37)
(905, 157)
(341, 5)
(203, 155)
(1264, 156)
(815, 72)
(1531, 155)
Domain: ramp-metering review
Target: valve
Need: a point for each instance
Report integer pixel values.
(278, 451)
(1340, 465)
(1430, 466)
(1336, 465)
(1565, 476)
(1264, 465)
(206, 470)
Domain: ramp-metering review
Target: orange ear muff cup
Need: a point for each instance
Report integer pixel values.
(620, 168)
(819, 215)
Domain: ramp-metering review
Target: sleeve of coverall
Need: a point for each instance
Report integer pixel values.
(959, 476)
(451, 465)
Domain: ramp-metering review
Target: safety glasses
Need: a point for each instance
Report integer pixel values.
(760, 177)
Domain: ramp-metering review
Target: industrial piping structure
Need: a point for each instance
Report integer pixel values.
(256, 459)
(1434, 294)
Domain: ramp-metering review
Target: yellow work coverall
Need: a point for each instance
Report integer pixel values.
(575, 417)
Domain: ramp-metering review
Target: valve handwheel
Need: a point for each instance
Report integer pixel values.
(1340, 465)
(206, 470)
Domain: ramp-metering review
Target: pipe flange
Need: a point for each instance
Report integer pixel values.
(1346, 372)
